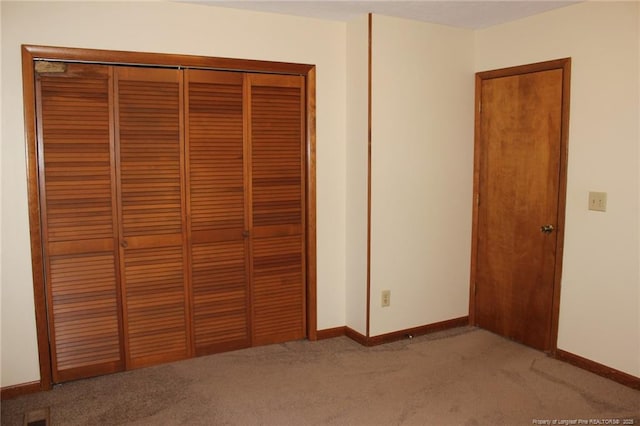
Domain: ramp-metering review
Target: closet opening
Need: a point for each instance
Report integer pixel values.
(171, 206)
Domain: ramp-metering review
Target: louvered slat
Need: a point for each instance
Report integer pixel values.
(220, 296)
(77, 160)
(276, 129)
(215, 145)
(156, 314)
(78, 205)
(278, 296)
(85, 316)
(150, 145)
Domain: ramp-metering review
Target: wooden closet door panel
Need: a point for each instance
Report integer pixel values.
(215, 164)
(220, 296)
(278, 290)
(276, 117)
(85, 315)
(78, 205)
(152, 214)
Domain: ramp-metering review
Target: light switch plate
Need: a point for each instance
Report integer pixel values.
(598, 201)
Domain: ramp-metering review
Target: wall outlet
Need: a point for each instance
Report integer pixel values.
(386, 298)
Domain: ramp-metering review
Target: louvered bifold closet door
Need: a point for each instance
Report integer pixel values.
(153, 242)
(219, 262)
(79, 232)
(276, 110)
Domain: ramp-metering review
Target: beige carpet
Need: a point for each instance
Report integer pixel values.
(464, 376)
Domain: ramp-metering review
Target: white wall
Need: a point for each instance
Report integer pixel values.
(599, 307)
(168, 28)
(422, 164)
(357, 173)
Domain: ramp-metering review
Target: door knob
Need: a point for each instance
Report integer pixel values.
(547, 229)
(124, 244)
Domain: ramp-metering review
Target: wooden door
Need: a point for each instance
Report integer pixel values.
(520, 184)
(246, 208)
(218, 219)
(153, 243)
(78, 207)
(276, 130)
(173, 220)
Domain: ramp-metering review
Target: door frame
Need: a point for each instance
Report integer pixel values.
(563, 64)
(32, 53)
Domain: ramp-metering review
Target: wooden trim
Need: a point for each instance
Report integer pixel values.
(565, 65)
(330, 333)
(418, 331)
(31, 53)
(37, 261)
(369, 133)
(163, 59)
(47, 250)
(355, 336)
(475, 203)
(599, 369)
(402, 334)
(524, 69)
(310, 219)
(562, 201)
(15, 391)
(306, 330)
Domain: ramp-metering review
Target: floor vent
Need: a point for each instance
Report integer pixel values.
(37, 417)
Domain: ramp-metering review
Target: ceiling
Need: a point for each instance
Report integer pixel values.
(456, 13)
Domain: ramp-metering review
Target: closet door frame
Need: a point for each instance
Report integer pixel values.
(32, 54)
